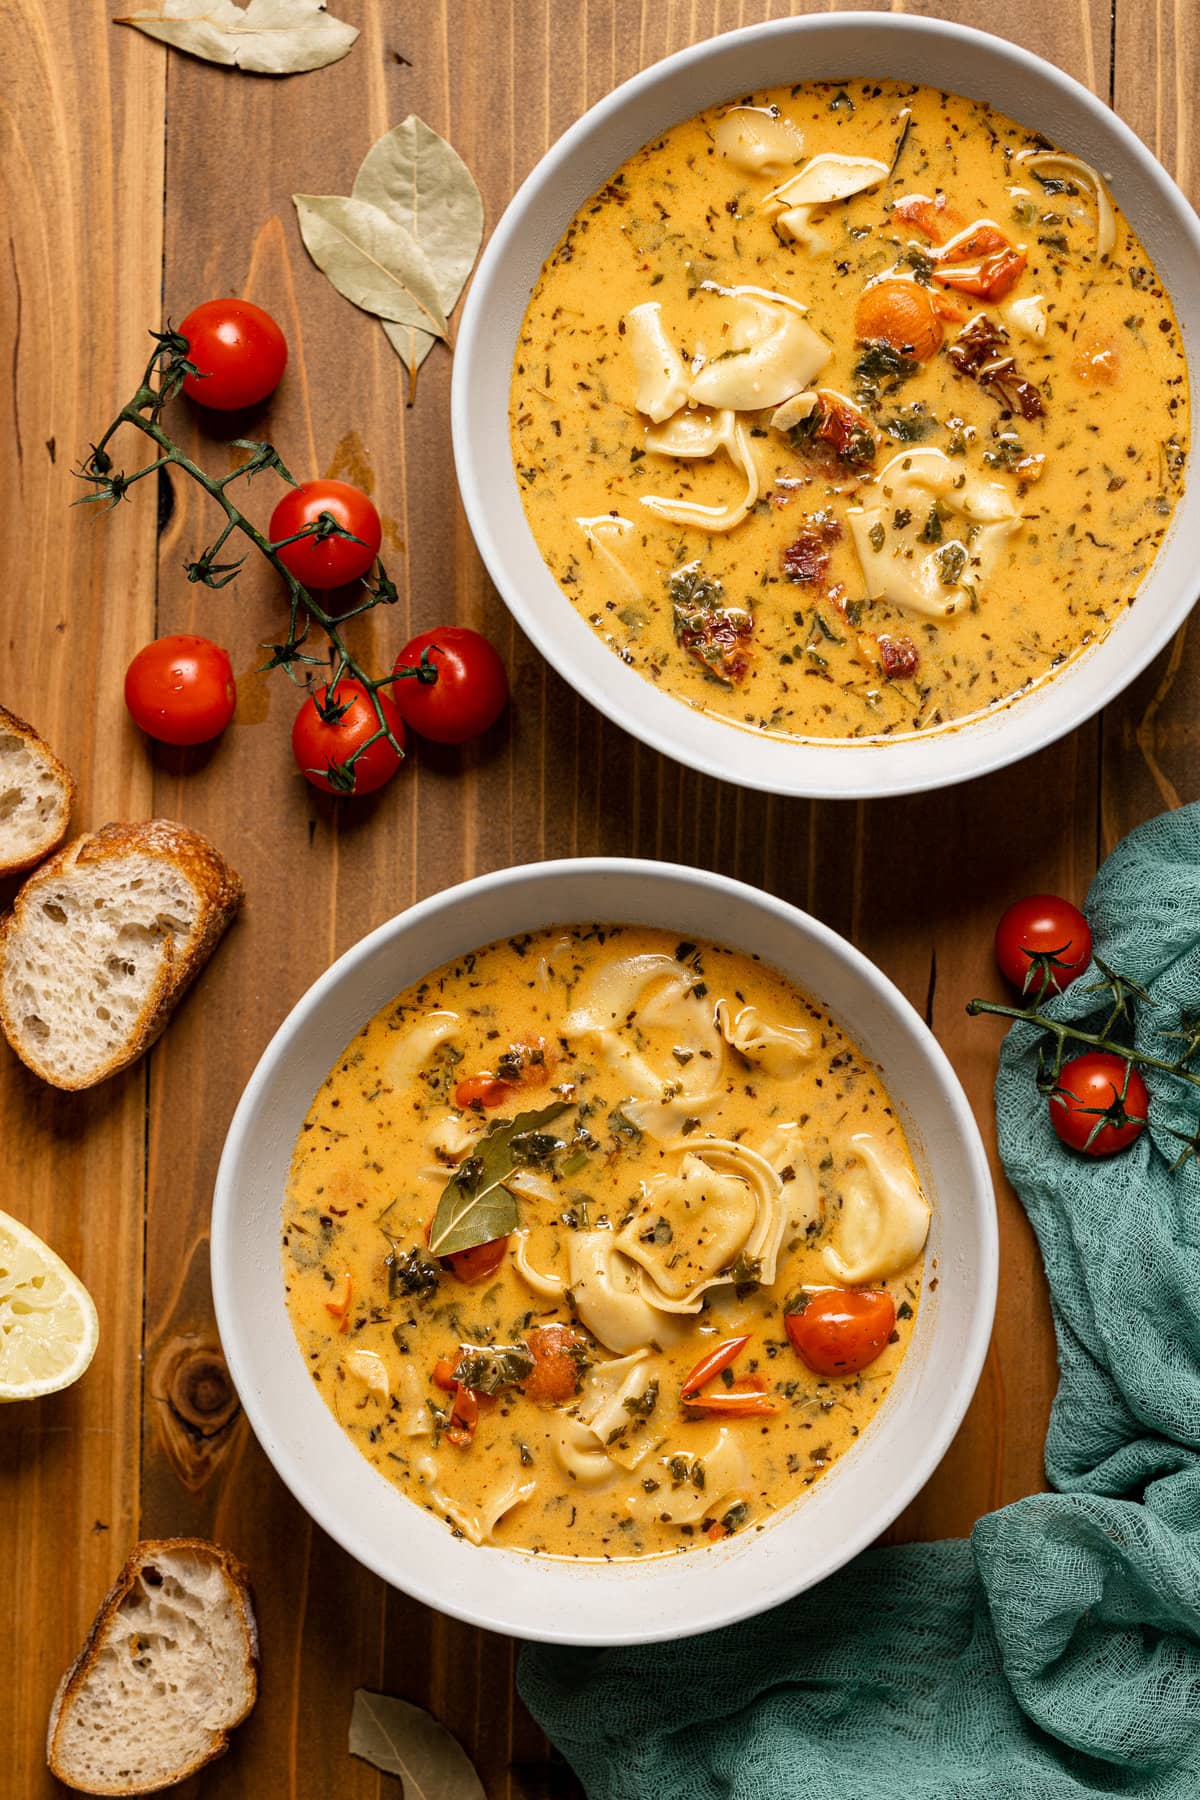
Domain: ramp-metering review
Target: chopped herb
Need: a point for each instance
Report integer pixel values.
(411, 1274)
(488, 1368)
(951, 563)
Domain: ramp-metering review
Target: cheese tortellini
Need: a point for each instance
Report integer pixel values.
(884, 1218)
(779, 1049)
(768, 353)
(933, 575)
(676, 1074)
(759, 140)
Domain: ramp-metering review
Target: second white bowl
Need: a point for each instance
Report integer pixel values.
(588, 1602)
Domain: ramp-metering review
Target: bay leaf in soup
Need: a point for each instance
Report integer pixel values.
(476, 1207)
(371, 260)
(406, 1741)
(265, 37)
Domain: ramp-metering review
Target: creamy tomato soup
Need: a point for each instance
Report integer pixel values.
(849, 410)
(602, 1244)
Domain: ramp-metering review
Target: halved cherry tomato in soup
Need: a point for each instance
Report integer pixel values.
(555, 1375)
(482, 1090)
(926, 214)
(980, 261)
(902, 314)
(475, 1264)
(842, 1330)
(464, 1416)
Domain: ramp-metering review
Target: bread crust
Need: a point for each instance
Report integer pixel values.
(21, 728)
(144, 1553)
(221, 894)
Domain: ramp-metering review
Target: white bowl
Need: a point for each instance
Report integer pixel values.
(584, 1602)
(838, 46)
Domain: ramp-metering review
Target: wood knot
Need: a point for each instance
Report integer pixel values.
(201, 1394)
(198, 1412)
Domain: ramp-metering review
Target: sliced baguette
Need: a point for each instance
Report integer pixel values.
(102, 941)
(169, 1667)
(36, 795)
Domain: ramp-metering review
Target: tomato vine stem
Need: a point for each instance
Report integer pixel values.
(161, 381)
(1066, 1035)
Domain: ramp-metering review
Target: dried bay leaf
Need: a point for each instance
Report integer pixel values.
(404, 1740)
(265, 37)
(420, 181)
(475, 1206)
(371, 259)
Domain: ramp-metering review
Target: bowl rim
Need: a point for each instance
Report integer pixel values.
(873, 768)
(236, 1328)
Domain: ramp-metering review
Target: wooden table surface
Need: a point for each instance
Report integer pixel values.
(135, 183)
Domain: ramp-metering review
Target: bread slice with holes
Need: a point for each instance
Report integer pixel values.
(102, 941)
(37, 793)
(170, 1666)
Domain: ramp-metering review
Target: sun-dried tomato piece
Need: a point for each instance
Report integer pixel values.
(718, 637)
(847, 430)
(806, 558)
(981, 352)
(899, 656)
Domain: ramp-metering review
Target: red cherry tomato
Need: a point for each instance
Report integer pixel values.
(555, 1350)
(322, 746)
(1087, 1110)
(475, 1264)
(180, 690)
(240, 351)
(1043, 934)
(332, 561)
(842, 1330)
(482, 1090)
(467, 692)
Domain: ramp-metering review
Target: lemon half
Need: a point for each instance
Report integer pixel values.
(48, 1324)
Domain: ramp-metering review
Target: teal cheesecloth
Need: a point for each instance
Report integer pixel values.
(1056, 1652)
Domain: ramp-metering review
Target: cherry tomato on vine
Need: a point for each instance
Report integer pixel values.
(466, 691)
(327, 732)
(180, 690)
(1043, 934)
(239, 350)
(327, 561)
(1089, 1088)
(842, 1330)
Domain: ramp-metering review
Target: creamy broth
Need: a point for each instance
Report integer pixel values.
(853, 415)
(697, 1154)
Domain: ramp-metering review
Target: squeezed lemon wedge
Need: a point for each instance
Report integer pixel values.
(48, 1324)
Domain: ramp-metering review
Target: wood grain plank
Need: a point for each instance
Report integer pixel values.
(1150, 732)
(502, 79)
(81, 171)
